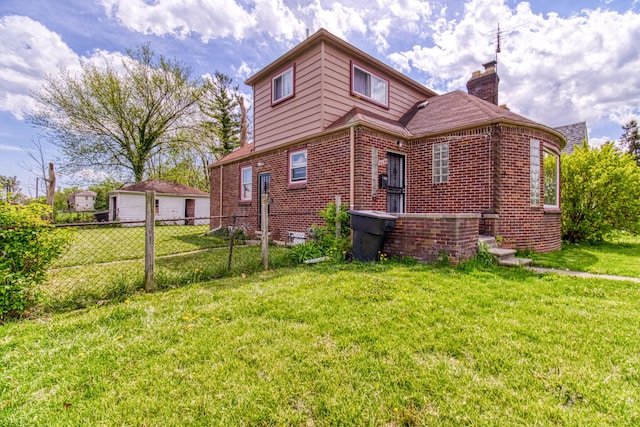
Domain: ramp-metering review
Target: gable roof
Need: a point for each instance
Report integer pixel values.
(83, 193)
(575, 133)
(323, 35)
(357, 114)
(163, 187)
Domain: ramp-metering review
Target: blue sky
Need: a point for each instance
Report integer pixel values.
(561, 61)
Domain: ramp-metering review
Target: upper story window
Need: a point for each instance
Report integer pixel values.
(534, 170)
(282, 86)
(368, 85)
(245, 183)
(440, 163)
(298, 166)
(551, 165)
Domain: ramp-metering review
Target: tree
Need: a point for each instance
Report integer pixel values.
(600, 193)
(223, 116)
(630, 139)
(102, 190)
(9, 188)
(118, 117)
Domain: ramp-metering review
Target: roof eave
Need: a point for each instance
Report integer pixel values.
(324, 35)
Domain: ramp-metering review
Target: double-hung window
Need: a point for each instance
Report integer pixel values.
(245, 183)
(366, 84)
(298, 166)
(440, 163)
(282, 86)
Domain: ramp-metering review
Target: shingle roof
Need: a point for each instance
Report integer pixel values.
(357, 114)
(575, 134)
(236, 154)
(456, 110)
(164, 187)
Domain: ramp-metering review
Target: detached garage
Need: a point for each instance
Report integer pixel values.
(174, 204)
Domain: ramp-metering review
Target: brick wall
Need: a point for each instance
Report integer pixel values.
(427, 236)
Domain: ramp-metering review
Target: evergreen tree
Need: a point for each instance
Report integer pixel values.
(630, 139)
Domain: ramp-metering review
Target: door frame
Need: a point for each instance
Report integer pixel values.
(395, 191)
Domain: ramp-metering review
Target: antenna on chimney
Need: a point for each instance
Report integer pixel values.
(497, 42)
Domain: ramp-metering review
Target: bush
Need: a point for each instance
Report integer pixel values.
(29, 244)
(323, 240)
(600, 193)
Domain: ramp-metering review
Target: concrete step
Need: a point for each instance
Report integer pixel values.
(488, 241)
(514, 262)
(501, 252)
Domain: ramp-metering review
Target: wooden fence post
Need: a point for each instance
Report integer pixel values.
(338, 224)
(149, 243)
(265, 230)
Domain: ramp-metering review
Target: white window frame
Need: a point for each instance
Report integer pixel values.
(286, 77)
(298, 165)
(556, 202)
(156, 206)
(534, 171)
(376, 88)
(246, 186)
(440, 163)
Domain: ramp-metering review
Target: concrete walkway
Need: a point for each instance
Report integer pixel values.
(541, 270)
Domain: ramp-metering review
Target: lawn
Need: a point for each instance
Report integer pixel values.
(617, 256)
(386, 344)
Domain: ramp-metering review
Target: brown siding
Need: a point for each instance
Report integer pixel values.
(322, 96)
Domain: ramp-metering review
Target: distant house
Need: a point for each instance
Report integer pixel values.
(82, 201)
(576, 134)
(331, 120)
(174, 203)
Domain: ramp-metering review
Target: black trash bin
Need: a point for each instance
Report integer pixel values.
(370, 228)
(102, 216)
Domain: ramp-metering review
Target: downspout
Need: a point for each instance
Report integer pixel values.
(352, 167)
(220, 213)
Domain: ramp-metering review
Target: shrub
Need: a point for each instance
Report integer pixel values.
(29, 244)
(600, 193)
(323, 240)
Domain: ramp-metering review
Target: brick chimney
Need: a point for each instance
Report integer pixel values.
(485, 85)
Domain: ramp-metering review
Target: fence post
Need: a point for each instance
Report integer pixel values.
(265, 230)
(232, 235)
(338, 224)
(149, 243)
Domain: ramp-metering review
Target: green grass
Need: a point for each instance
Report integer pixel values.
(109, 244)
(617, 256)
(375, 344)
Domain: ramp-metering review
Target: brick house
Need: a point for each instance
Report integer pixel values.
(331, 120)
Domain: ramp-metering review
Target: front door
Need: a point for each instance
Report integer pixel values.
(263, 181)
(396, 183)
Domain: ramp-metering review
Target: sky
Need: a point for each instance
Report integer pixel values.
(560, 61)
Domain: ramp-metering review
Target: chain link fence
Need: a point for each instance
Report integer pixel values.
(106, 261)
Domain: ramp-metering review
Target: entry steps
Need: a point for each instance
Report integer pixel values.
(506, 257)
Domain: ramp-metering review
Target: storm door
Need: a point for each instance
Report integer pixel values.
(396, 183)
(264, 180)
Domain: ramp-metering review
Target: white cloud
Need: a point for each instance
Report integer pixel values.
(600, 141)
(25, 56)
(209, 19)
(4, 147)
(554, 70)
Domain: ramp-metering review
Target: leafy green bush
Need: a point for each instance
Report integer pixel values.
(28, 246)
(600, 193)
(323, 240)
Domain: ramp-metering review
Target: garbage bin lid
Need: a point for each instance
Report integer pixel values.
(372, 214)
